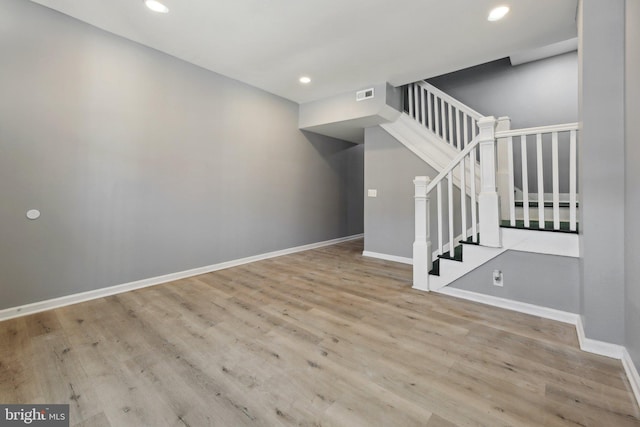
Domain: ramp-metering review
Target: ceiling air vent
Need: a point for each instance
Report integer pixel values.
(361, 95)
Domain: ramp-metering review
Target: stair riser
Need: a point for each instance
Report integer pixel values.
(548, 214)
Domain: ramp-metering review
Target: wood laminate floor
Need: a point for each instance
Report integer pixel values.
(319, 338)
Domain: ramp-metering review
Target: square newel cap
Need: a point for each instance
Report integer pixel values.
(487, 126)
(421, 183)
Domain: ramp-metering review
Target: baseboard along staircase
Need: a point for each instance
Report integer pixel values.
(497, 188)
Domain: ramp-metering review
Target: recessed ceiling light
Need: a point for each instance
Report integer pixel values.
(305, 80)
(498, 13)
(156, 6)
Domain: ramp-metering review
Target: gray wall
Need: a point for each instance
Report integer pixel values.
(601, 169)
(537, 93)
(390, 168)
(144, 165)
(344, 107)
(544, 280)
(389, 218)
(632, 180)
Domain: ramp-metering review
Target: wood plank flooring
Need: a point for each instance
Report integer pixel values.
(319, 338)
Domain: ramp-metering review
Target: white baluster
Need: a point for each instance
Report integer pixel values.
(450, 132)
(488, 201)
(556, 181)
(502, 173)
(439, 199)
(458, 141)
(540, 181)
(512, 177)
(416, 107)
(463, 197)
(410, 96)
(422, 243)
(443, 117)
(525, 180)
(422, 107)
(436, 109)
(572, 182)
(474, 212)
(465, 127)
(451, 216)
(429, 116)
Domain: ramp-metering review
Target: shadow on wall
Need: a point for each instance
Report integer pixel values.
(326, 145)
(346, 159)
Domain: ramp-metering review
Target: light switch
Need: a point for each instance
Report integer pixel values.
(372, 193)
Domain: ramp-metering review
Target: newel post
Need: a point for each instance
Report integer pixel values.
(422, 243)
(488, 200)
(504, 123)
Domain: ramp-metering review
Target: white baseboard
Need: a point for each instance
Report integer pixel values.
(598, 347)
(632, 374)
(521, 307)
(37, 307)
(588, 345)
(386, 257)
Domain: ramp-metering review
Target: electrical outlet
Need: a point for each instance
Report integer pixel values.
(498, 280)
(372, 193)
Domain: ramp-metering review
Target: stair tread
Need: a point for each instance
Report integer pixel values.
(534, 225)
(457, 254)
(547, 204)
(470, 241)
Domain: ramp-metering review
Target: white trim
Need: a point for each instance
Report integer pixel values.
(566, 127)
(632, 374)
(588, 345)
(542, 242)
(521, 307)
(386, 257)
(24, 310)
(597, 347)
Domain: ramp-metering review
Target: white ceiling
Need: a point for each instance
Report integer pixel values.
(342, 45)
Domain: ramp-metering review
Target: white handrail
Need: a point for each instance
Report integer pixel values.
(536, 130)
(456, 160)
(451, 100)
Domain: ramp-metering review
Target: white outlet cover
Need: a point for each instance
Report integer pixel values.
(33, 214)
(372, 193)
(498, 279)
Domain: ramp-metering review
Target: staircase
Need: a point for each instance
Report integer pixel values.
(436, 127)
(485, 198)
